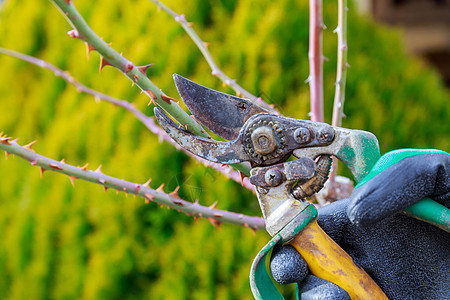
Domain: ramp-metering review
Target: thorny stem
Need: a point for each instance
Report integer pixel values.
(203, 47)
(342, 64)
(172, 200)
(112, 57)
(135, 74)
(341, 75)
(315, 55)
(147, 121)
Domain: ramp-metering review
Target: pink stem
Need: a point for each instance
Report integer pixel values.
(316, 60)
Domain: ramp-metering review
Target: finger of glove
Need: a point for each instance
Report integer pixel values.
(400, 186)
(315, 288)
(287, 265)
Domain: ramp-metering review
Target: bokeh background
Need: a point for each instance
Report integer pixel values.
(60, 242)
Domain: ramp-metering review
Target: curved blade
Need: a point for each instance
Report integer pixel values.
(209, 149)
(221, 113)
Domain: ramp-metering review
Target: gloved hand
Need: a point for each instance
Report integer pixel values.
(407, 258)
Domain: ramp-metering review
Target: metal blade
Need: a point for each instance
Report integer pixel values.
(209, 149)
(221, 113)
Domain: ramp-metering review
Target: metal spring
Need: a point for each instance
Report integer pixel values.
(315, 184)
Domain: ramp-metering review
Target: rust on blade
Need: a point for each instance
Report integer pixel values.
(209, 149)
(221, 113)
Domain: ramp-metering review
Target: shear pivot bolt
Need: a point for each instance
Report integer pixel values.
(263, 140)
(302, 135)
(325, 135)
(273, 177)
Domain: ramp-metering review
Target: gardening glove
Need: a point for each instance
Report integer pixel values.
(407, 258)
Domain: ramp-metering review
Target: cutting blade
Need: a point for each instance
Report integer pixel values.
(221, 113)
(221, 152)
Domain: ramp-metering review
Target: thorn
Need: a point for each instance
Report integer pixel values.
(189, 24)
(167, 98)
(34, 162)
(105, 188)
(54, 166)
(30, 146)
(6, 154)
(214, 222)
(223, 165)
(214, 72)
(196, 201)
(102, 181)
(344, 47)
(193, 117)
(336, 30)
(161, 188)
(254, 229)
(238, 93)
(147, 184)
(213, 206)
(308, 80)
(152, 96)
(174, 193)
(246, 225)
(347, 65)
(42, 171)
(195, 219)
(103, 63)
(324, 26)
(135, 79)
(138, 187)
(73, 34)
(206, 44)
(68, 1)
(63, 161)
(89, 48)
(242, 177)
(143, 69)
(148, 198)
(218, 215)
(72, 179)
(325, 58)
(99, 169)
(84, 168)
(5, 141)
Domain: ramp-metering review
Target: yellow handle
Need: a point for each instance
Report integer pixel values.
(329, 261)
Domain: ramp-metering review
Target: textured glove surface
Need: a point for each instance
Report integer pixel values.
(407, 258)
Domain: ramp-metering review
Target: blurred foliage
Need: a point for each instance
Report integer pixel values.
(60, 242)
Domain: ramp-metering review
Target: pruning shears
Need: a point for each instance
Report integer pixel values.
(267, 141)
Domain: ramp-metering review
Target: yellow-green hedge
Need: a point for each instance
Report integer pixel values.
(59, 242)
